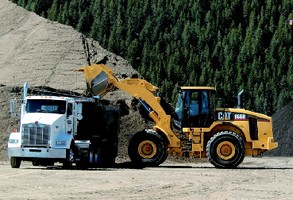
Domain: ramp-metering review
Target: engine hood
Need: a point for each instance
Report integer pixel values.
(42, 118)
(240, 114)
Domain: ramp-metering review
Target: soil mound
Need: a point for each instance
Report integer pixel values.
(283, 131)
(46, 53)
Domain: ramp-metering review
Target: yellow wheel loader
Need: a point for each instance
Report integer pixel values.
(196, 129)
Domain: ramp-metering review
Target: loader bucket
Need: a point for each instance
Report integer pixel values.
(97, 79)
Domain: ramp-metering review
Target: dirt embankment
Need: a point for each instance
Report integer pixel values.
(6, 122)
(46, 53)
(283, 131)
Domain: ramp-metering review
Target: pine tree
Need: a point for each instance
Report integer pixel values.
(53, 12)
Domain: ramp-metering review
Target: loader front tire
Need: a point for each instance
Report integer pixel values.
(147, 149)
(225, 149)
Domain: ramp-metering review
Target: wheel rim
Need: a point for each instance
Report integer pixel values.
(147, 149)
(226, 150)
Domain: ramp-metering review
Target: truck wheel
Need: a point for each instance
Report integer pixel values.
(67, 164)
(15, 162)
(147, 149)
(35, 162)
(226, 150)
(108, 154)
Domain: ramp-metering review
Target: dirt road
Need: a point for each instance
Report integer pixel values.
(257, 178)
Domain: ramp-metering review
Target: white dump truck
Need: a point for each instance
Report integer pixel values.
(76, 131)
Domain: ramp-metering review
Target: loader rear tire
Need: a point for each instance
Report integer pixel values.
(15, 162)
(226, 150)
(147, 149)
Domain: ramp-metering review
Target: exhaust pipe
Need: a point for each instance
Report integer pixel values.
(25, 89)
(239, 98)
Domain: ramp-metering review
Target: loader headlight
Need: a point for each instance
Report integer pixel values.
(13, 141)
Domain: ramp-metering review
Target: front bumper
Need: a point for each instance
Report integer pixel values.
(28, 152)
(271, 143)
(265, 144)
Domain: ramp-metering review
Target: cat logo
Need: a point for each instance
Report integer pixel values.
(224, 115)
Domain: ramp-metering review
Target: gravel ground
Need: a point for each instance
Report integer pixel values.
(256, 178)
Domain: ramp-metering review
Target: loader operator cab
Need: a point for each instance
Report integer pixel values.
(194, 107)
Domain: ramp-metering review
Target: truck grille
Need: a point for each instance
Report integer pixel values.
(35, 135)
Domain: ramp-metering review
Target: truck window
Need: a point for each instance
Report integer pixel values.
(69, 109)
(45, 106)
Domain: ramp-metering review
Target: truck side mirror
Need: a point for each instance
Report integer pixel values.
(12, 108)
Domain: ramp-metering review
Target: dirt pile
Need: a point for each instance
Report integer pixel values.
(6, 122)
(283, 131)
(46, 53)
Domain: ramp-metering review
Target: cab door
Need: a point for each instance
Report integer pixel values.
(197, 108)
(70, 118)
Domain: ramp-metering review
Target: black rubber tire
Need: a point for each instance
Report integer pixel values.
(108, 154)
(15, 162)
(67, 164)
(233, 160)
(165, 152)
(35, 162)
(139, 138)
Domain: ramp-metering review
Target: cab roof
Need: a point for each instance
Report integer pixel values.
(197, 88)
(48, 98)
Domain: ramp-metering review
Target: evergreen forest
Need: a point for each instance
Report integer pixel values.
(229, 44)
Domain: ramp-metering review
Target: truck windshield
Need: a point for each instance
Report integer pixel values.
(45, 106)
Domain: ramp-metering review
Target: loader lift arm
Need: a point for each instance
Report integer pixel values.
(100, 80)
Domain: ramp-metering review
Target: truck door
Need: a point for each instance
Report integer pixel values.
(69, 118)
